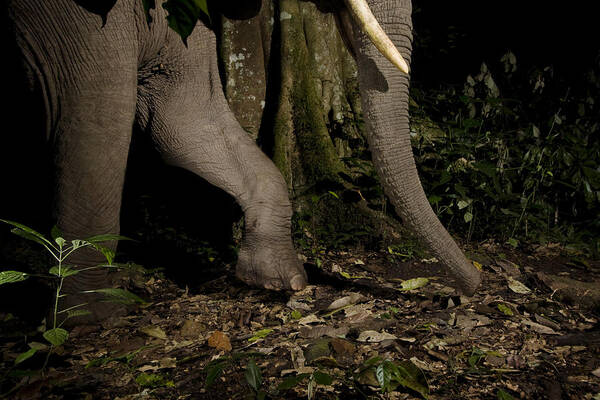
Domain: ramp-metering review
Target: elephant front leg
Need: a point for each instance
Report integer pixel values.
(208, 141)
(226, 157)
(92, 144)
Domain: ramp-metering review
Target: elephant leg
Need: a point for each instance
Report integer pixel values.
(93, 140)
(192, 125)
(87, 75)
(96, 101)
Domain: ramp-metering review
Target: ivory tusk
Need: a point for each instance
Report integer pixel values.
(364, 17)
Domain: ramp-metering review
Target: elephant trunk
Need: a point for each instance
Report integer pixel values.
(385, 94)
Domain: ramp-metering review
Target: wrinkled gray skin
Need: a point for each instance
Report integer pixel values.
(97, 81)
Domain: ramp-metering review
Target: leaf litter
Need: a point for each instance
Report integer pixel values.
(531, 331)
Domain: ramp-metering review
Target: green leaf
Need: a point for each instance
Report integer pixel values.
(108, 253)
(463, 203)
(24, 356)
(26, 229)
(513, 242)
(253, 375)
(184, 14)
(505, 309)
(29, 236)
(65, 270)
(55, 233)
(56, 336)
(296, 315)
(410, 376)
(384, 373)
(322, 378)
(118, 295)
(371, 362)
(260, 335)
(60, 242)
(213, 371)
(292, 381)
(468, 217)
(502, 395)
(153, 381)
(12, 276)
(415, 283)
(476, 356)
(77, 313)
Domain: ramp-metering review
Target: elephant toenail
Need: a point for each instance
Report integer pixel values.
(298, 282)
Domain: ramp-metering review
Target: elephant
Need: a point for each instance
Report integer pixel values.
(98, 76)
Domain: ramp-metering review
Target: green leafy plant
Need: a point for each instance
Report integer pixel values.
(392, 374)
(215, 368)
(61, 249)
(153, 381)
(513, 154)
(313, 379)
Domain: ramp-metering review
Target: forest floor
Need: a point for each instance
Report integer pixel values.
(532, 331)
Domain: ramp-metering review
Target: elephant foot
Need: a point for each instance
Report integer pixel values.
(271, 266)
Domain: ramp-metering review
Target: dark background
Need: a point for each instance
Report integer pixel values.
(565, 35)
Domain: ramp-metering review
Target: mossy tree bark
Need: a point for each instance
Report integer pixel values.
(292, 84)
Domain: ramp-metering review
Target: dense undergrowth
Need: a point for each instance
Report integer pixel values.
(513, 154)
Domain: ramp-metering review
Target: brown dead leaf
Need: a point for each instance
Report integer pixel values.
(352, 298)
(509, 267)
(469, 321)
(154, 331)
(192, 329)
(374, 336)
(310, 319)
(167, 362)
(219, 341)
(539, 328)
(313, 332)
(517, 286)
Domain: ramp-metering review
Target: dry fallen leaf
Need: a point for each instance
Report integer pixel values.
(374, 336)
(219, 341)
(310, 319)
(310, 332)
(517, 286)
(352, 298)
(154, 331)
(192, 329)
(539, 328)
(509, 267)
(168, 362)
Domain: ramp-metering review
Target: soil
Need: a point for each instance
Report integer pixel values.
(531, 332)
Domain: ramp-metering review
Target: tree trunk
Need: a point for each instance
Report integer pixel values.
(292, 83)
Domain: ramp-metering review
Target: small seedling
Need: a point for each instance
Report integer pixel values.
(61, 249)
